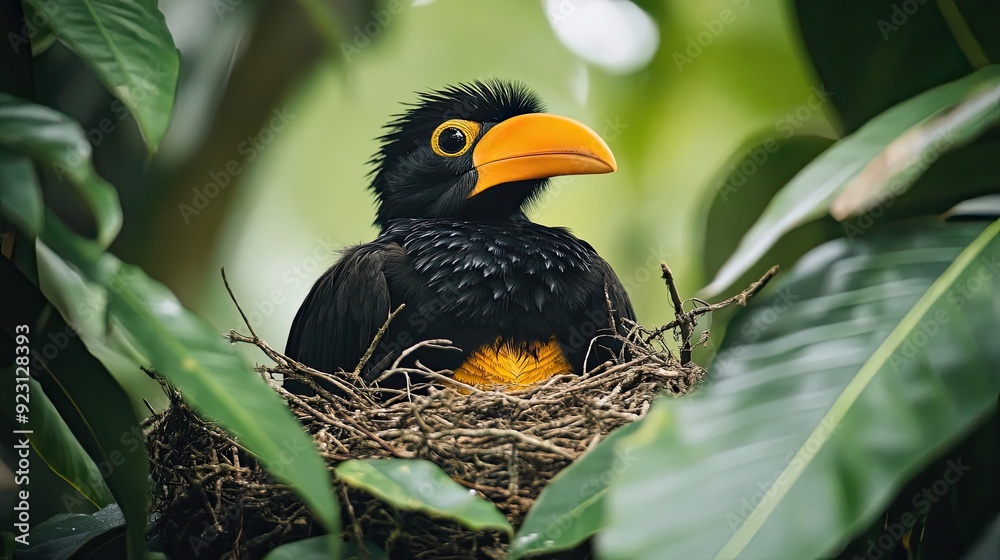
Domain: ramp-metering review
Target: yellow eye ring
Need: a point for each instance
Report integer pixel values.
(454, 137)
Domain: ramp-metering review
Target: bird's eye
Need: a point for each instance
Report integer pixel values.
(454, 137)
(451, 140)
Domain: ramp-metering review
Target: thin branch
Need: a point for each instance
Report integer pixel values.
(739, 299)
(238, 308)
(686, 323)
(378, 337)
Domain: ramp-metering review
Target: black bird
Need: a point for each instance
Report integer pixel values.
(452, 179)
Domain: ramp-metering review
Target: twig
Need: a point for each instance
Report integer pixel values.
(682, 319)
(355, 527)
(238, 308)
(378, 337)
(437, 344)
(740, 299)
(513, 434)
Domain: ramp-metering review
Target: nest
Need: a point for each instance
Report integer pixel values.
(212, 500)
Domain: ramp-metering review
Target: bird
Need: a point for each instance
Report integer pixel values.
(458, 257)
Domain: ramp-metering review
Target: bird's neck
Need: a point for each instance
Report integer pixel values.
(518, 217)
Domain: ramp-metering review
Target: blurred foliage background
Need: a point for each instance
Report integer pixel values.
(300, 194)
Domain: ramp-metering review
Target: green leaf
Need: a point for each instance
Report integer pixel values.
(894, 51)
(904, 160)
(210, 375)
(128, 46)
(947, 525)
(55, 140)
(741, 191)
(961, 175)
(858, 368)
(570, 509)
(84, 305)
(20, 195)
(988, 545)
(419, 485)
(78, 536)
(981, 208)
(38, 32)
(87, 397)
(318, 548)
(809, 194)
(55, 445)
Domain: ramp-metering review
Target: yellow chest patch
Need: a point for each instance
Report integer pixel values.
(513, 365)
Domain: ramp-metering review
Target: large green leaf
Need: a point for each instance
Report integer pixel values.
(40, 34)
(896, 49)
(904, 160)
(318, 548)
(20, 195)
(863, 362)
(944, 526)
(209, 373)
(55, 445)
(76, 536)
(809, 194)
(88, 398)
(53, 139)
(84, 305)
(741, 191)
(129, 47)
(958, 176)
(570, 509)
(419, 485)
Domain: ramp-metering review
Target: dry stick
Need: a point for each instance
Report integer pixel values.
(740, 299)
(685, 321)
(514, 434)
(435, 343)
(295, 366)
(355, 526)
(286, 365)
(347, 418)
(378, 337)
(238, 308)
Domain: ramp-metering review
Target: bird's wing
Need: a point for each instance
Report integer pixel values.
(344, 310)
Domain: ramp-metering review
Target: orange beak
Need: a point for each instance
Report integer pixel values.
(538, 146)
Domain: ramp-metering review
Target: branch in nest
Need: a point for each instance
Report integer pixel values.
(687, 321)
(378, 337)
(299, 368)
